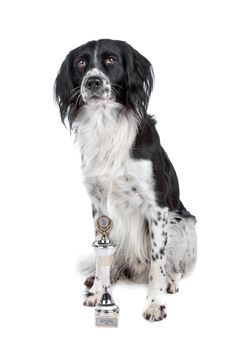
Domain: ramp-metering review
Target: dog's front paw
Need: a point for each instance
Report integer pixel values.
(91, 299)
(155, 312)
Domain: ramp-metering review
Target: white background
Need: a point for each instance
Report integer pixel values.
(46, 221)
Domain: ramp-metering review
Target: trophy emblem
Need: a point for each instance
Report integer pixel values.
(106, 311)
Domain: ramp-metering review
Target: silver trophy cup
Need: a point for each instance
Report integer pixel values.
(106, 311)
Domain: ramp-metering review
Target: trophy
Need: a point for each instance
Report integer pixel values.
(106, 311)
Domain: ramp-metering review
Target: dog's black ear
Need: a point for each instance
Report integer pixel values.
(139, 82)
(63, 89)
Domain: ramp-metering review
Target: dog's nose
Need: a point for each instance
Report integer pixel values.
(94, 83)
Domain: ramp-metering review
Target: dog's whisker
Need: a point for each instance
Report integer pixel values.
(77, 88)
(117, 85)
(77, 100)
(115, 92)
(73, 96)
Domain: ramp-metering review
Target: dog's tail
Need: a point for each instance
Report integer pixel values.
(86, 265)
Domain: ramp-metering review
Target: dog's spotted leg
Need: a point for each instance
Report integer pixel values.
(92, 295)
(154, 309)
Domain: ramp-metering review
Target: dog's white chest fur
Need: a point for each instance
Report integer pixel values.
(118, 185)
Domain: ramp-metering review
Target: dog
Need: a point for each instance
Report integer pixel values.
(103, 89)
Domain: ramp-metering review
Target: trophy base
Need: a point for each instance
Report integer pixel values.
(106, 318)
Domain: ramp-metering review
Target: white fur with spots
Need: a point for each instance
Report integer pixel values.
(123, 189)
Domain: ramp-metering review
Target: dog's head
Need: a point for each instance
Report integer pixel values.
(103, 71)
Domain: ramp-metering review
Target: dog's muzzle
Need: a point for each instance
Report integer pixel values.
(95, 85)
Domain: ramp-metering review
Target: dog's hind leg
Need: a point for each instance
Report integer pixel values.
(181, 250)
(173, 284)
(89, 281)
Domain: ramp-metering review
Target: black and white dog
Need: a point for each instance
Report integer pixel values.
(103, 89)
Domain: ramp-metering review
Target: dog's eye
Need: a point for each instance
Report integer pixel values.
(110, 60)
(82, 63)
